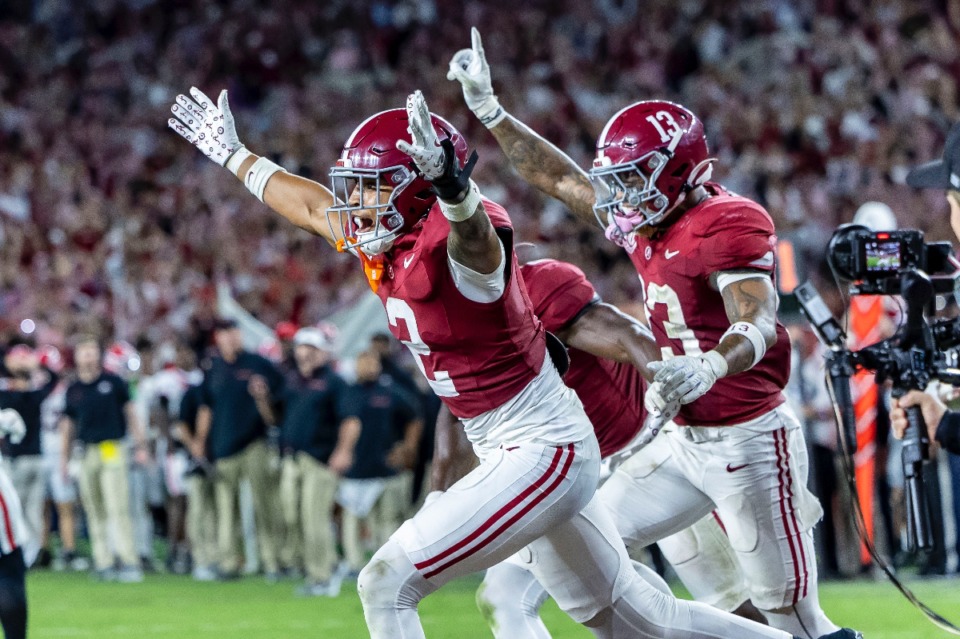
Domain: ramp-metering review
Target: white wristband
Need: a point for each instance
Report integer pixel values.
(465, 209)
(716, 362)
(258, 175)
(753, 334)
(490, 113)
(238, 158)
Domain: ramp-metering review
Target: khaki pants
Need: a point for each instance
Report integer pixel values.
(382, 521)
(105, 492)
(202, 521)
(307, 489)
(253, 463)
(29, 476)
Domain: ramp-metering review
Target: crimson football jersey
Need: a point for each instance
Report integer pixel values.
(475, 356)
(611, 392)
(723, 233)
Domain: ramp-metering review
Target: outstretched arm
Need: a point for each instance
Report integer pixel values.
(605, 331)
(472, 242)
(538, 161)
(210, 127)
(544, 166)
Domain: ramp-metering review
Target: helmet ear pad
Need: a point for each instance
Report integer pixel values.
(701, 173)
(664, 140)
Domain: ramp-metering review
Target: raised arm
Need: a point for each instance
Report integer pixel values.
(539, 162)
(472, 242)
(210, 127)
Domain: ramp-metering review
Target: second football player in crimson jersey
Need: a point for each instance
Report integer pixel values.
(706, 260)
(441, 259)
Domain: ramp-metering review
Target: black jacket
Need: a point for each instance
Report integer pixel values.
(948, 432)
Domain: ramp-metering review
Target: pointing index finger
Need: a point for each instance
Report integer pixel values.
(424, 113)
(477, 43)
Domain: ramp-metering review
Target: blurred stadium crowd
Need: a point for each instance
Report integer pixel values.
(109, 227)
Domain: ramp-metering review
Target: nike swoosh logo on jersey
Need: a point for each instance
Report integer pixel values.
(733, 469)
(671, 254)
(407, 260)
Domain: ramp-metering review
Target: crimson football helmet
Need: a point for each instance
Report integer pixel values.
(649, 156)
(371, 160)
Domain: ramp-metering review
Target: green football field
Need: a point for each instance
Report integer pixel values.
(70, 605)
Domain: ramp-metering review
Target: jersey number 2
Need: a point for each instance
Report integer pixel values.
(441, 383)
(676, 326)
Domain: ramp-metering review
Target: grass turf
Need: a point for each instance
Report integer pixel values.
(70, 605)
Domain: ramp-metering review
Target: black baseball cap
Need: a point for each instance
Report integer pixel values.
(943, 173)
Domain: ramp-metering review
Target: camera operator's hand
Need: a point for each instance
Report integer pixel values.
(931, 407)
(953, 199)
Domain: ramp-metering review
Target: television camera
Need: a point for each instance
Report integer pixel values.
(892, 263)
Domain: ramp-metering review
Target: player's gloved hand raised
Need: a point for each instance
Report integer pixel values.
(685, 379)
(469, 67)
(436, 159)
(11, 423)
(206, 125)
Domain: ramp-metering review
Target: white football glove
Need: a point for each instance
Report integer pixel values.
(469, 67)
(659, 410)
(426, 151)
(12, 424)
(685, 379)
(206, 125)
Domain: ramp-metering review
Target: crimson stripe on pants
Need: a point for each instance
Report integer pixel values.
(523, 511)
(778, 439)
(796, 524)
(505, 510)
(719, 521)
(6, 523)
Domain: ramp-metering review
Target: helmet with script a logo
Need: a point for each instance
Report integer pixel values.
(380, 192)
(649, 156)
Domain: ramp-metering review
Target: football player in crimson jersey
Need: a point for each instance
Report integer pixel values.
(612, 394)
(441, 260)
(706, 261)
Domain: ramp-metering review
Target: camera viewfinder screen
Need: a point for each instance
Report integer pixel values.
(882, 256)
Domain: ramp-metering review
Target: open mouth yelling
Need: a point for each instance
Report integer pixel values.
(363, 224)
